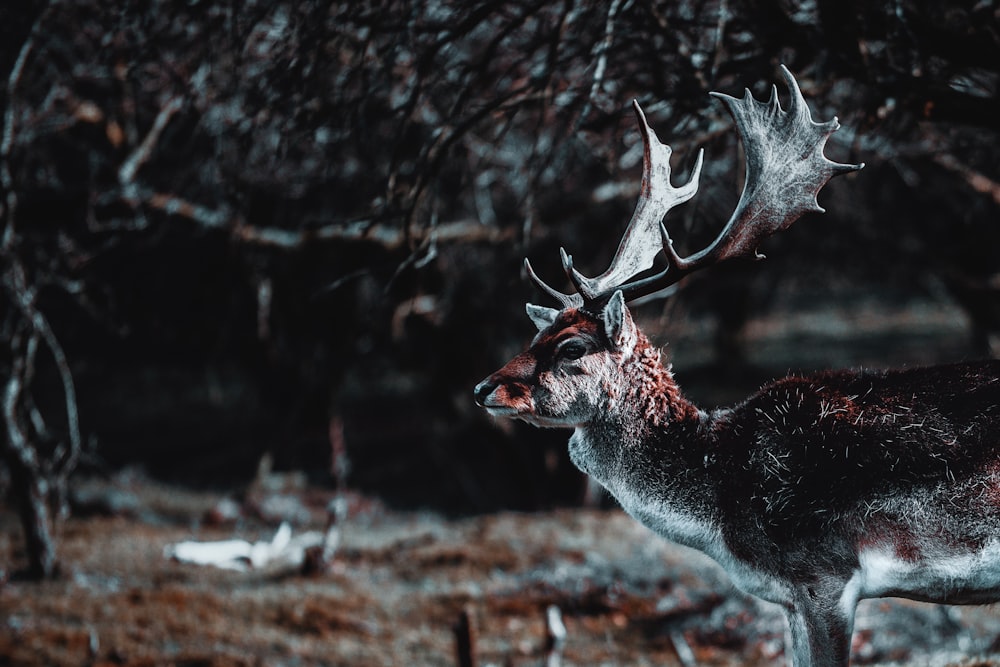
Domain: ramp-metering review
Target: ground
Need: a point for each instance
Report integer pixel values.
(398, 585)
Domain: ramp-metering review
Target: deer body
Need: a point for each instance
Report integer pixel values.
(813, 493)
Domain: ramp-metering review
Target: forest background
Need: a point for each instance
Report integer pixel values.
(293, 231)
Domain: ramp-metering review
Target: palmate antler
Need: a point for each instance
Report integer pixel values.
(785, 170)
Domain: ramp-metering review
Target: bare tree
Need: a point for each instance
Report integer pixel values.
(38, 459)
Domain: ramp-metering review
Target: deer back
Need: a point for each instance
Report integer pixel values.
(914, 451)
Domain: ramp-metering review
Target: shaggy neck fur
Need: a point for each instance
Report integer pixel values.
(646, 395)
(645, 416)
(645, 450)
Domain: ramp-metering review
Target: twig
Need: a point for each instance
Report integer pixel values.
(318, 558)
(977, 181)
(126, 173)
(340, 466)
(720, 31)
(555, 636)
(265, 296)
(683, 649)
(7, 143)
(602, 53)
(465, 640)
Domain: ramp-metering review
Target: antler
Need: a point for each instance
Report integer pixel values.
(785, 170)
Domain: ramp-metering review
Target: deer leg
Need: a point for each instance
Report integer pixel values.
(820, 623)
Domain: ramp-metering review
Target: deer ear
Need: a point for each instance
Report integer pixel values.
(618, 323)
(542, 317)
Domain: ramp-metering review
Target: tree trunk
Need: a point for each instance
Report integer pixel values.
(28, 488)
(30, 495)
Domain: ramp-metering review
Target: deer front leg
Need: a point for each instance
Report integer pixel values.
(820, 623)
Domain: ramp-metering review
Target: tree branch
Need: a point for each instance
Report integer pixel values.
(976, 180)
(23, 297)
(7, 143)
(126, 173)
(359, 231)
(29, 485)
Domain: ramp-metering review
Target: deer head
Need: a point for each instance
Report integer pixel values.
(563, 378)
(579, 365)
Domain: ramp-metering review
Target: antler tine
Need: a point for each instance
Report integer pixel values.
(785, 170)
(567, 300)
(641, 241)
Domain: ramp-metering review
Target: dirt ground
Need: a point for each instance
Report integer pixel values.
(399, 585)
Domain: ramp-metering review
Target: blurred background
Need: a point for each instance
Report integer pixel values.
(293, 231)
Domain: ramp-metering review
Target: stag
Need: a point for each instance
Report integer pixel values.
(816, 491)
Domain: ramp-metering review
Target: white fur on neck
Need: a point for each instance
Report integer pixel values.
(654, 512)
(672, 522)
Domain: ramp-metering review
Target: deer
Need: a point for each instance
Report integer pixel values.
(815, 492)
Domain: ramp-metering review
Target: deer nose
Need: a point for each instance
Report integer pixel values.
(483, 390)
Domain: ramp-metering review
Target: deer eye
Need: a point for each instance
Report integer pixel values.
(572, 350)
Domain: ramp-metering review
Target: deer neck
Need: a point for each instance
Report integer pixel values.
(649, 450)
(649, 396)
(642, 400)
